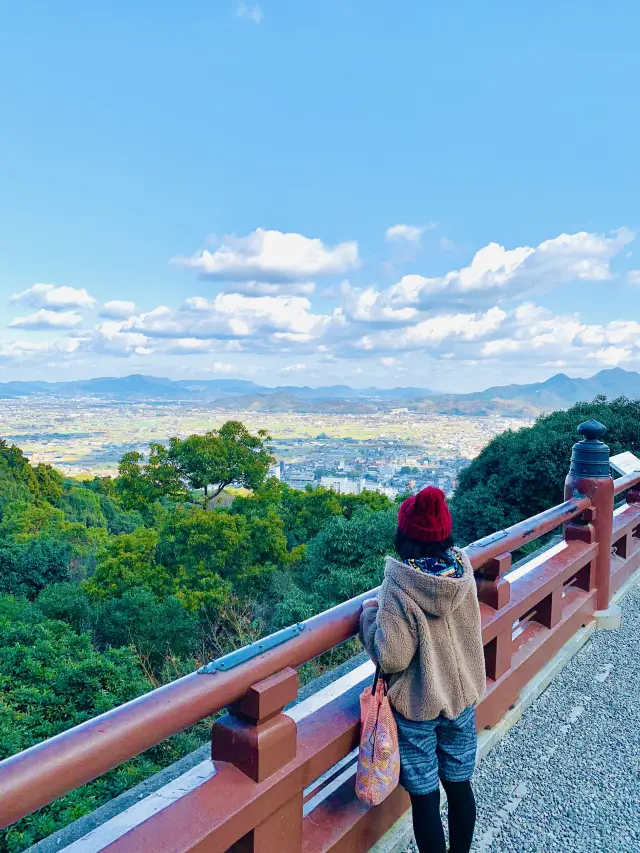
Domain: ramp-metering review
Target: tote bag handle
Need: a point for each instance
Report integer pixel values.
(379, 676)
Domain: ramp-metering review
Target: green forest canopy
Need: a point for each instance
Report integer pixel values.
(111, 587)
(519, 474)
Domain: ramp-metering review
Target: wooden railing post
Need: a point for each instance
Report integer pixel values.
(590, 475)
(256, 736)
(585, 532)
(493, 589)
(260, 740)
(633, 499)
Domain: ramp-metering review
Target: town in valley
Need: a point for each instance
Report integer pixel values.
(393, 452)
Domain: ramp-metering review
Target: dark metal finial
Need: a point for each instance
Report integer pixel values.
(590, 457)
(592, 430)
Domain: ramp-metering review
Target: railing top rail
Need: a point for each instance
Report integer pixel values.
(48, 770)
(483, 550)
(627, 482)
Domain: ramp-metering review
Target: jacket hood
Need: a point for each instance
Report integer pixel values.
(435, 595)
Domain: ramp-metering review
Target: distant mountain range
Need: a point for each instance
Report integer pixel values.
(558, 392)
(138, 386)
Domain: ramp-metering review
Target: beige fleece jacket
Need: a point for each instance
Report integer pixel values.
(426, 635)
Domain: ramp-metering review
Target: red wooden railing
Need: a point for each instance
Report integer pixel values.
(262, 797)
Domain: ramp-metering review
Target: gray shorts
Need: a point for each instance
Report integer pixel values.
(436, 749)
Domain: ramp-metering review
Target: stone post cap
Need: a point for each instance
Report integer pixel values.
(592, 430)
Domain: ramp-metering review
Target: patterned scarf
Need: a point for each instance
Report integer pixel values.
(448, 565)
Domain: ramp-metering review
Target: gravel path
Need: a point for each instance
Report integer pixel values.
(566, 779)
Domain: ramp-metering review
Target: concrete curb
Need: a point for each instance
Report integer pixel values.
(609, 619)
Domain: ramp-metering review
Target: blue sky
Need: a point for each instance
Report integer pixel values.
(234, 176)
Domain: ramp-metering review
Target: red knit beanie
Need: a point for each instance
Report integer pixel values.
(425, 516)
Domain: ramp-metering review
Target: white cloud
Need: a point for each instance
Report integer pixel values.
(633, 277)
(368, 305)
(118, 309)
(407, 233)
(271, 256)
(185, 346)
(468, 316)
(54, 298)
(222, 367)
(45, 319)
(611, 356)
(268, 288)
(114, 338)
(536, 335)
(467, 327)
(497, 273)
(20, 351)
(446, 244)
(528, 313)
(234, 316)
(527, 333)
(252, 13)
(614, 332)
(504, 346)
(431, 333)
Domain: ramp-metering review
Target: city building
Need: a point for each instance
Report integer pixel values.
(342, 485)
(300, 481)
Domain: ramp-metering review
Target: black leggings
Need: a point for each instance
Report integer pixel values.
(427, 826)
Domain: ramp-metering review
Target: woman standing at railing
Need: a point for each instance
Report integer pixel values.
(424, 632)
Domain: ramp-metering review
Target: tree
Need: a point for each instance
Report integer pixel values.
(51, 678)
(221, 457)
(408, 469)
(131, 486)
(49, 483)
(102, 485)
(140, 484)
(210, 462)
(162, 475)
(211, 553)
(118, 520)
(519, 474)
(155, 630)
(82, 505)
(128, 561)
(28, 567)
(305, 513)
(18, 481)
(374, 501)
(345, 559)
(68, 602)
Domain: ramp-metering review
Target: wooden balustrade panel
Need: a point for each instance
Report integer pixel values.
(531, 651)
(224, 809)
(342, 824)
(555, 613)
(625, 552)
